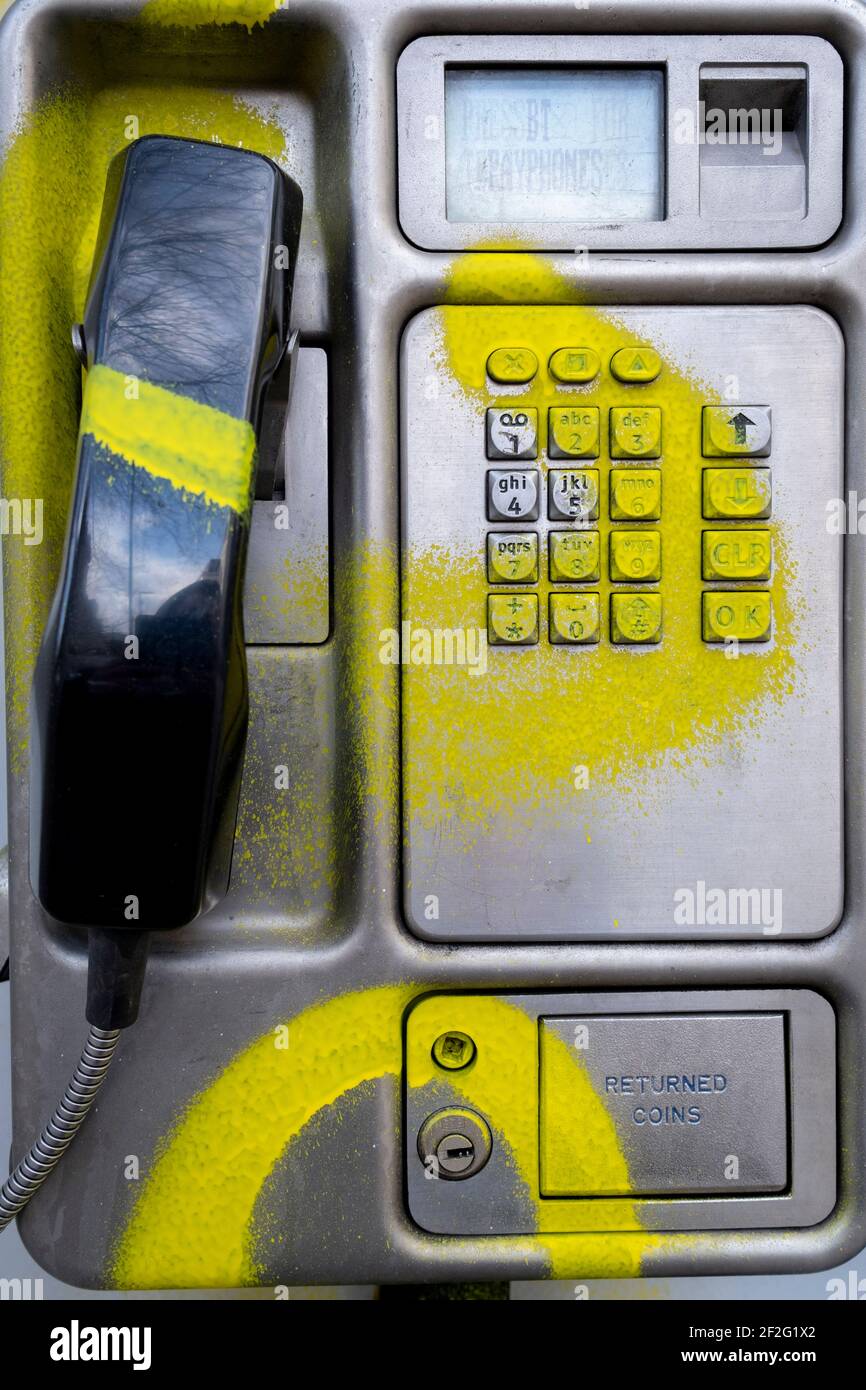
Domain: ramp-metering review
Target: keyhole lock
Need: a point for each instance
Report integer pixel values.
(454, 1144)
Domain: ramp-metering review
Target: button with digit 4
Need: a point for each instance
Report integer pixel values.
(636, 364)
(512, 495)
(512, 432)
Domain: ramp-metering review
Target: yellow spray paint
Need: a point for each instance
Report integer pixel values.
(618, 711)
(200, 450)
(191, 1226)
(192, 13)
(193, 1223)
(602, 1238)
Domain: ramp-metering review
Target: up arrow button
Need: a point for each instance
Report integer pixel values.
(743, 430)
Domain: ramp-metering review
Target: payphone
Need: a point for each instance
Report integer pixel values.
(545, 912)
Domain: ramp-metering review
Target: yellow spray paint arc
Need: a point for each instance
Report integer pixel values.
(193, 1223)
(194, 447)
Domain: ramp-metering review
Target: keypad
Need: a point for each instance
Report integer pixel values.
(576, 526)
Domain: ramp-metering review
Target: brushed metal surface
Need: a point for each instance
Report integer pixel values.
(325, 72)
(697, 212)
(799, 1175)
(724, 824)
(286, 593)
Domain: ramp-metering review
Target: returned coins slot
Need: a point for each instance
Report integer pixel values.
(666, 1105)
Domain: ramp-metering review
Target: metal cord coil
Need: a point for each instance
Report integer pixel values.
(63, 1126)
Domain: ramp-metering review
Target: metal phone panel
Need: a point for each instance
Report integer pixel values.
(700, 202)
(625, 1170)
(612, 792)
(312, 943)
(286, 593)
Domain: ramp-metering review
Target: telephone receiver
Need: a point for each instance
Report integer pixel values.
(140, 698)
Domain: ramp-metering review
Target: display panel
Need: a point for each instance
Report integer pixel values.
(547, 144)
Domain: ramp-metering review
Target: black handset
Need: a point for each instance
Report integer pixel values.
(139, 706)
(140, 691)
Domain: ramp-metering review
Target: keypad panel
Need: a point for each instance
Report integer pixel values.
(632, 539)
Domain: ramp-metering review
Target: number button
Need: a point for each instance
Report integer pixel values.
(572, 494)
(575, 365)
(512, 433)
(573, 433)
(512, 620)
(512, 557)
(635, 618)
(635, 494)
(574, 557)
(635, 555)
(512, 496)
(635, 433)
(512, 366)
(574, 619)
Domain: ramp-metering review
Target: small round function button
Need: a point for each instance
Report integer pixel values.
(512, 366)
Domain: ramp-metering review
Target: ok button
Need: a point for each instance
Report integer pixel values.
(736, 554)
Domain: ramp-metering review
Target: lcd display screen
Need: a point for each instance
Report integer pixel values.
(554, 144)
